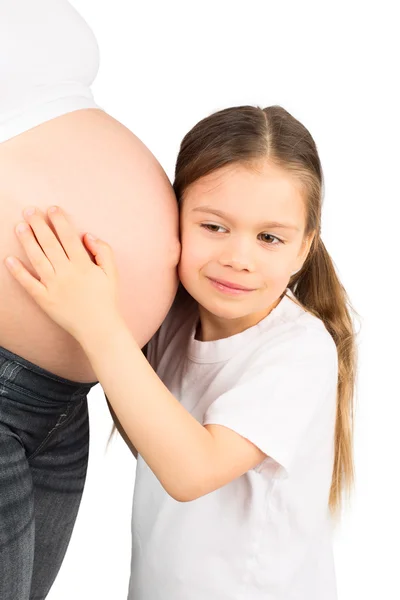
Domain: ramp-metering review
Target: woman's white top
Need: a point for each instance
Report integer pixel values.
(48, 60)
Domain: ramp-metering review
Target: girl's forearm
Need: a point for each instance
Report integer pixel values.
(176, 447)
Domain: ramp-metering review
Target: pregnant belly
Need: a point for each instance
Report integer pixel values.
(110, 184)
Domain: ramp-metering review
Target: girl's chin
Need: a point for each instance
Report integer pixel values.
(225, 312)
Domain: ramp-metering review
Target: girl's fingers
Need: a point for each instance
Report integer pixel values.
(28, 282)
(103, 255)
(46, 238)
(68, 235)
(34, 252)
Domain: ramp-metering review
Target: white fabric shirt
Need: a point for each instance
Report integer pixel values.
(49, 58)
(267, 534)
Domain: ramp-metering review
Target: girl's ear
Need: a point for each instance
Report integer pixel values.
(306, 247)
(304, 250)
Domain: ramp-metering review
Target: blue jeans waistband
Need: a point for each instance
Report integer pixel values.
(15, 370)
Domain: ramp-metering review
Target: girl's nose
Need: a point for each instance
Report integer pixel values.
(238, 254)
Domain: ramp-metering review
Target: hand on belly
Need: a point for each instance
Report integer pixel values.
(77, 293)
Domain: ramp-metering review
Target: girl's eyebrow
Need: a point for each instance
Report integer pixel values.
(267, 224)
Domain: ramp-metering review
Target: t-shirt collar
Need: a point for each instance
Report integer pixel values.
(224, 349)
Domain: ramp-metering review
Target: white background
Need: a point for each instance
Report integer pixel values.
(333, 65)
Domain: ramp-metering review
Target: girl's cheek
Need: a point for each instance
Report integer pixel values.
(194, 252)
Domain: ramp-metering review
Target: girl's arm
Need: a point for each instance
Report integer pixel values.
(189, 459)
(118, 425)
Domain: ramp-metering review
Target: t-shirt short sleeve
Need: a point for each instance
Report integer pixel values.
(281, 395)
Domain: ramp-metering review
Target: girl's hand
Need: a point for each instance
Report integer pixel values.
(76, 293)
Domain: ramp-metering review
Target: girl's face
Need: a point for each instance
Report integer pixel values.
(244, 227)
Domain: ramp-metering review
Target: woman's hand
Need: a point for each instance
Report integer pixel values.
(75, 292)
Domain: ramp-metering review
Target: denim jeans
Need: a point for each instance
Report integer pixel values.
(44, 441)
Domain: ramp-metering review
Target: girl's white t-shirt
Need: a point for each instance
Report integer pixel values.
(267, 534)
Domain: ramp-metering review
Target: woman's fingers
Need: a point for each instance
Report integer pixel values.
(48, 241)
(34, 252)
(68, 235)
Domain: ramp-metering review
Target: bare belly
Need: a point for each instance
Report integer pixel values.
(110, 184)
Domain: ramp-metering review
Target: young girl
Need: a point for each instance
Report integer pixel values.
(242, 414)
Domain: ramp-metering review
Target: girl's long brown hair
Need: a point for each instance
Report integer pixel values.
(248, 135)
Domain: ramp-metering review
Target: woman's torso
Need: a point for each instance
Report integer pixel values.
(110, 184)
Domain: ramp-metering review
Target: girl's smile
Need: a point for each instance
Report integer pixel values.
(227, 287)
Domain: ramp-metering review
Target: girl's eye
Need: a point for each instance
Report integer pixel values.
(211, 227)
(268, 235)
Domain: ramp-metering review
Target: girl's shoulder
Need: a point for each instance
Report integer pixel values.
(288, 337)
(297, 343)
(303, 323)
